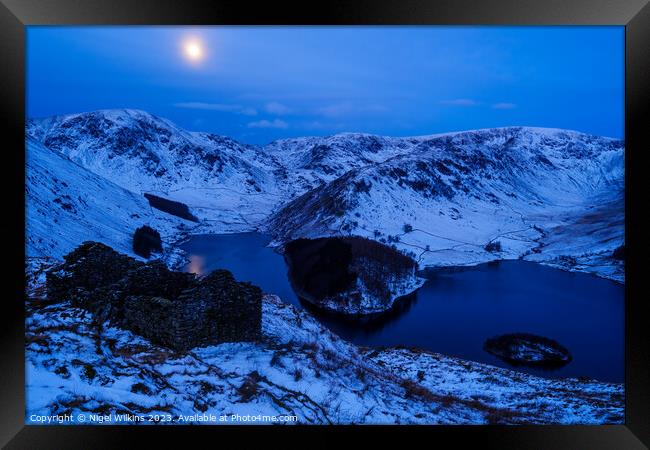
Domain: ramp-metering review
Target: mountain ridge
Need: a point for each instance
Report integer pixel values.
(514, 184)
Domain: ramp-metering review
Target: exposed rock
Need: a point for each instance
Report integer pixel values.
(350, 275)
(174, 309)
(619, 253)
(528, 349)
(492, 247)
(145, 241)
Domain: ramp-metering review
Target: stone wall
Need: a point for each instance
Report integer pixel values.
(174, 309)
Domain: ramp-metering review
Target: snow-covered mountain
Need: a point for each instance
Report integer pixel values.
(449, 196)
(66, 204)
(312, 161)
(543, 194)
(219, 178)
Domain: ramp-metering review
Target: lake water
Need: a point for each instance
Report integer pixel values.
(456, 310)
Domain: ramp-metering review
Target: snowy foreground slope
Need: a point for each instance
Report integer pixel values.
(77, 367)
(551, 196)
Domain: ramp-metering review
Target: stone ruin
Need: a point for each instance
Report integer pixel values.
(174, 309)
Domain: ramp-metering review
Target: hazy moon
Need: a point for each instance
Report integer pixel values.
(193, 50)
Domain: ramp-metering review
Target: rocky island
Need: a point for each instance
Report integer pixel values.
(350, 275)
(528, 349)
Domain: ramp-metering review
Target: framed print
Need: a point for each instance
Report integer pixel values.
(370, 217)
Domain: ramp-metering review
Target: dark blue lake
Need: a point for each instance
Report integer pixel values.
(457, 310)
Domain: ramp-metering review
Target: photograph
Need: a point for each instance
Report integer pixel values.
(325, 225)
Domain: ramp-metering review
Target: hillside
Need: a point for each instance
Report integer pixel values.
(551, 196)
(66, 204)
(452, 195)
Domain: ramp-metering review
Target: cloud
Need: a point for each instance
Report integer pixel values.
(337, 110)
(277, 123)
(248, 111)
(221, 107)
(318, 125)
(277, 108)
(504, 106)
(460, 102)
(344, 109)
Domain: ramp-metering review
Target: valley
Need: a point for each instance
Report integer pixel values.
(520, 196)
(441, 199)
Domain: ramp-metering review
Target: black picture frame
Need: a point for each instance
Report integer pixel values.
(15, 15)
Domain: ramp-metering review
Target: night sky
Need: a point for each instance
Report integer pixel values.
(257, 84)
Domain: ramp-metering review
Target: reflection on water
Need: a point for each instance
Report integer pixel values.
(457, 310)
(197, 265)
(367, 325)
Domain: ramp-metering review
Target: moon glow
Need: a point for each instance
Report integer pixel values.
(193, 50)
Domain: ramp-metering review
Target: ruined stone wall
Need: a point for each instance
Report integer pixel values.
(174, 309)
